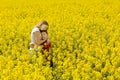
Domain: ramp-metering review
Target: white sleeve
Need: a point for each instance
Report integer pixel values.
(35, 29)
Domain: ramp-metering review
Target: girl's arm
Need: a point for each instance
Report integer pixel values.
(38, 38)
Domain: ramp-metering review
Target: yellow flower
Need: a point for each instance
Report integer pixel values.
(85, 42)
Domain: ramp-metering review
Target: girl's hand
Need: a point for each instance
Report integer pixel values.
(32, 45)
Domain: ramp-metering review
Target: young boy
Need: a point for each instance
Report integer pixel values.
(47, 44)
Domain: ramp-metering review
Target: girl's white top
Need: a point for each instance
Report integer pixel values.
(35, 29)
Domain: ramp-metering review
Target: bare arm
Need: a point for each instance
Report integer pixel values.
(38, 38)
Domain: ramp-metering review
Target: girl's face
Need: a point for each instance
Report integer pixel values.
(44, 27)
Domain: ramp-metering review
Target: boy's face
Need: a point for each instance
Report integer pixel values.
(44, 34)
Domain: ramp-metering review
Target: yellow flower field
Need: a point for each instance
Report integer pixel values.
(85, 36)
